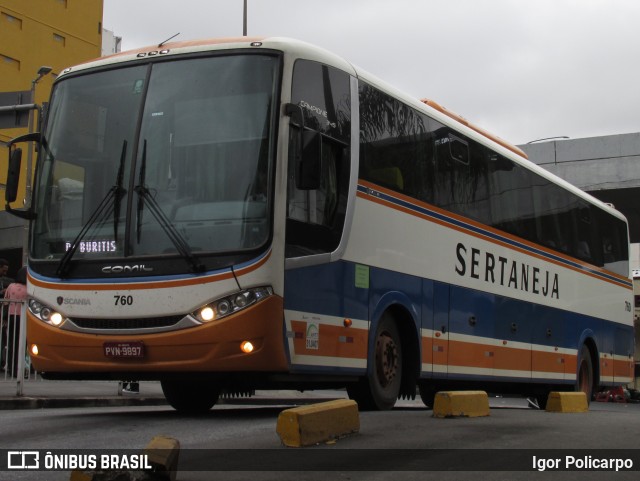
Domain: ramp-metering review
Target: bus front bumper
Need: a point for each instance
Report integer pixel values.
(211, 347)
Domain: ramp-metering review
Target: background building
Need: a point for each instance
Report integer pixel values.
(36, 33)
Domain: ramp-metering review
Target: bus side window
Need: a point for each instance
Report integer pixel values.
(461, 176)
(396, 145)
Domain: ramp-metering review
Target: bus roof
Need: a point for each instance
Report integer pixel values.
(480, 130)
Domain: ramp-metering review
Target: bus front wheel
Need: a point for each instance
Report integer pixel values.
(189, 395)
(380, 389)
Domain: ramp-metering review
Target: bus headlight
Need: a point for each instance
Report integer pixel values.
(231, 304)
(45, 313)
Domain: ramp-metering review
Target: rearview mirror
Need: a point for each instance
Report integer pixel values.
(13, 176)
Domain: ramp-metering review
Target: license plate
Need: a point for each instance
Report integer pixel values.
(124, 350)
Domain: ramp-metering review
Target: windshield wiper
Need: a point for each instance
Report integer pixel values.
(113, 198)
(172, 233)
(120, 191)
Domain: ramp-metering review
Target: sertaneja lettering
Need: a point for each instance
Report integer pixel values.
(485, 266)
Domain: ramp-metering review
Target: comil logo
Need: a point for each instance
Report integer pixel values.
(23, 460)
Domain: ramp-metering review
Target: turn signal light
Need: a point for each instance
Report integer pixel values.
(246, 347)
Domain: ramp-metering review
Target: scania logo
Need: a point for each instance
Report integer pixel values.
(126, 269)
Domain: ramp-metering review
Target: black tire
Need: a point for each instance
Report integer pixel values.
(190, 396)
(380, 389)
(542, 397)
(427, 393)
(585, 381)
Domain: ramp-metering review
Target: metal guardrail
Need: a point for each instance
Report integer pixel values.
(14, 364)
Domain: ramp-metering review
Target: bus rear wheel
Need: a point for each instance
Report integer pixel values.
(380, 389)
(585, 373)
(189, 395)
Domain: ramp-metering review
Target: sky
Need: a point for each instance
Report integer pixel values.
(521, 69)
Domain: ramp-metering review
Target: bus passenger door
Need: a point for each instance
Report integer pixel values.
(325, 299)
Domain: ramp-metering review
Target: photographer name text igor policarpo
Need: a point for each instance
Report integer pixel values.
(587, 463)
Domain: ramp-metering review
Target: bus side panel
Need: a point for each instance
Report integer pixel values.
(514, 322)
(428, 346)
(440, 332)
(623, 370)
(472, 349)
(326, 318)
(550, 353)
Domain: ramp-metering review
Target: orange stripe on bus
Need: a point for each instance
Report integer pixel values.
(623, 368)
(469, 354)
(544, 361)
(512, 359)
(353, 344)
(485, 356)
(607, 365)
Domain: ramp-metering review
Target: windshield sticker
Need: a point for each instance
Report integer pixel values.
(318, 111)
(94, 246)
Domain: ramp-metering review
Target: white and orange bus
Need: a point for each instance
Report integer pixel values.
(255, 213)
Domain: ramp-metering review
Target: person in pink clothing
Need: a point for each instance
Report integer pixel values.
(16, 291)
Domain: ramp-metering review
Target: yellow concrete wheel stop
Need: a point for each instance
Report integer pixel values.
(317, 423)
(452, 404)
(567, 402)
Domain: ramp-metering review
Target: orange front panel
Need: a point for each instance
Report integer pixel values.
(210, 347)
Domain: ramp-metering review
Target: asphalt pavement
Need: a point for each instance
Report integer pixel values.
(39, 393)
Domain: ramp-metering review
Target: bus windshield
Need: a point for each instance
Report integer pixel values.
(163, 158)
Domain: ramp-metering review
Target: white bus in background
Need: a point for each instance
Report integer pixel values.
(240, 214)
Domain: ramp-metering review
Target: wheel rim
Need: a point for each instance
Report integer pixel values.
(386, 359)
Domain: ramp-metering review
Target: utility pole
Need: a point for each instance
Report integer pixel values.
(244, 20)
